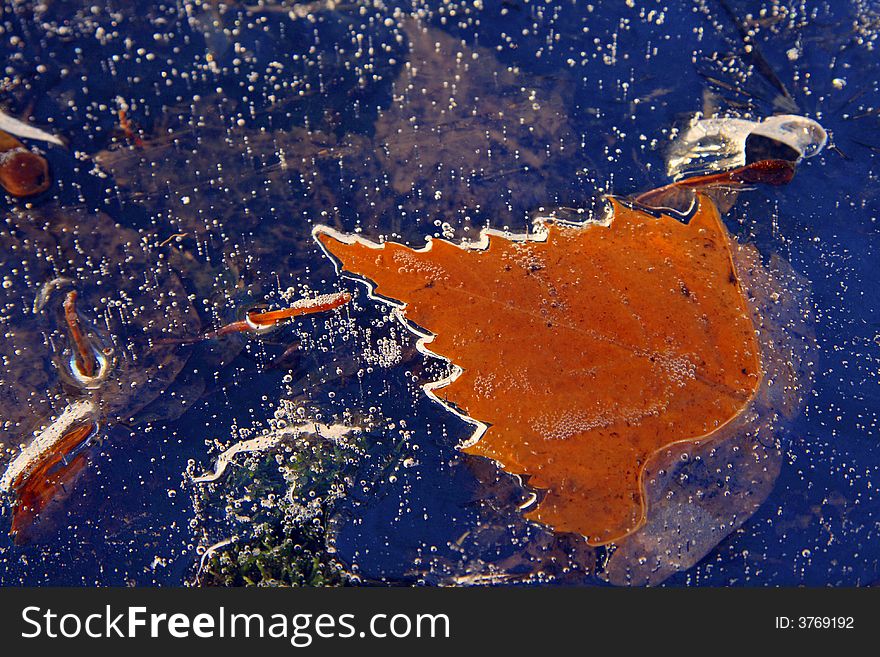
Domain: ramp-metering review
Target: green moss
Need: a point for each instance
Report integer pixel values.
(277, 503)
(276, 557)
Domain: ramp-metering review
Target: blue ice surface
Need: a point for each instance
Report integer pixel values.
(629, 78)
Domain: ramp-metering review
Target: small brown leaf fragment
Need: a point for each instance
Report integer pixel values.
(22, 173)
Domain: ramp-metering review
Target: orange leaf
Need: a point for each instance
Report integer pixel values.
(582, 350)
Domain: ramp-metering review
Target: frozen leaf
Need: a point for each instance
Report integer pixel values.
(581, 351)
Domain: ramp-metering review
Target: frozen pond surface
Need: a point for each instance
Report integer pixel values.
(204, 142)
